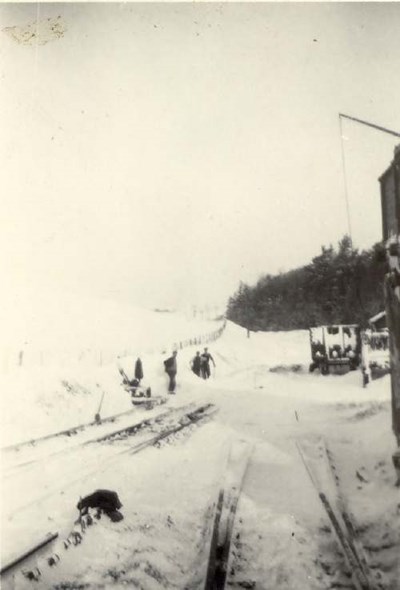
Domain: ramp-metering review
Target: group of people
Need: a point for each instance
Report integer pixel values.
(200, 366)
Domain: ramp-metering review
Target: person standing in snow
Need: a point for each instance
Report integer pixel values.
(138, 370)
(196, 364)
(171, 368)
(205, 364)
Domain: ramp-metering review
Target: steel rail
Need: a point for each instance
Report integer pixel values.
(130, 429)
(339, 519)
(67, 432)
(224, 520)
(17, 560)
(133, 427)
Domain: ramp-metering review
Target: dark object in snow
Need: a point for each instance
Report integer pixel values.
(115, 515)
(138, 370)
(361, 477)
(396, 463)
(76, 538)
(32, 575)
(106, 500)
(53, 559)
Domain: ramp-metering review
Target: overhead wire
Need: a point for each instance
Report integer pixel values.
(346, 191)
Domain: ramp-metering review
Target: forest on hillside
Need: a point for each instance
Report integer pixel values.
(340, 286)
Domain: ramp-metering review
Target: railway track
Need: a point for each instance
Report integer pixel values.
(49, 548)
(224, 516)
(68, 432)
(319, 463)
(321, 468)
(150, 431)
(130, 429)
(74, 430)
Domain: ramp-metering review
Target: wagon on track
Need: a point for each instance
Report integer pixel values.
(335, 346)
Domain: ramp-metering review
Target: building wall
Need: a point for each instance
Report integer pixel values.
(390, 196)
(390, 224)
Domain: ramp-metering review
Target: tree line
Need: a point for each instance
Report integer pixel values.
(340, 286)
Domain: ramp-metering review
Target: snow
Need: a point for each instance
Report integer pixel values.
(265, 396)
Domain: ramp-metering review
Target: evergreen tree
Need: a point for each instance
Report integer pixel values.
(337, 287)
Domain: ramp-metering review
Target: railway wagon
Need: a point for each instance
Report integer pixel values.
(333, 346)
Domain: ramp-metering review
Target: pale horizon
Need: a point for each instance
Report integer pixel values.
(159, 154)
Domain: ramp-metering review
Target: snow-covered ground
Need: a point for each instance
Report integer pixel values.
(282, 536)
(57, 362)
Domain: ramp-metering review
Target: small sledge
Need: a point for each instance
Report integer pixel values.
(140, 394)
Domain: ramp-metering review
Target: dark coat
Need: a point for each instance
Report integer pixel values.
(196, 363)
(170, 365)
(138, 370)
(104, 499)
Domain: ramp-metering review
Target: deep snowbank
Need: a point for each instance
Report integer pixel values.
(168, 492)
(71, 356)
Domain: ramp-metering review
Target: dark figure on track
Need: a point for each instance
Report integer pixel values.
(139, 370)
(196, 364)
(171, 369)
(205, 364)
(105, 501)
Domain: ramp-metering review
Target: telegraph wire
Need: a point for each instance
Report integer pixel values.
(368, 124)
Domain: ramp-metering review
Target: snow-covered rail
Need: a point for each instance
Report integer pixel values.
(16, 561)
(67, 432)
(132, 429)
(224, 516)
(323, 474)
(166, 423)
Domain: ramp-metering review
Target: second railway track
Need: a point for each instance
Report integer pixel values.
(13, 462)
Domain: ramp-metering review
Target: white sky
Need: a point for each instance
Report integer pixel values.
(160, 153)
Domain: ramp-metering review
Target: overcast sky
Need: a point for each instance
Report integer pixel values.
(161, 153)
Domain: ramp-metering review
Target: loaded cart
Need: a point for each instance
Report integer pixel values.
(333, 346)
(138, 392)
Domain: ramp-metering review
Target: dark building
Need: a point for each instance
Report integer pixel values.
(390, 198)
